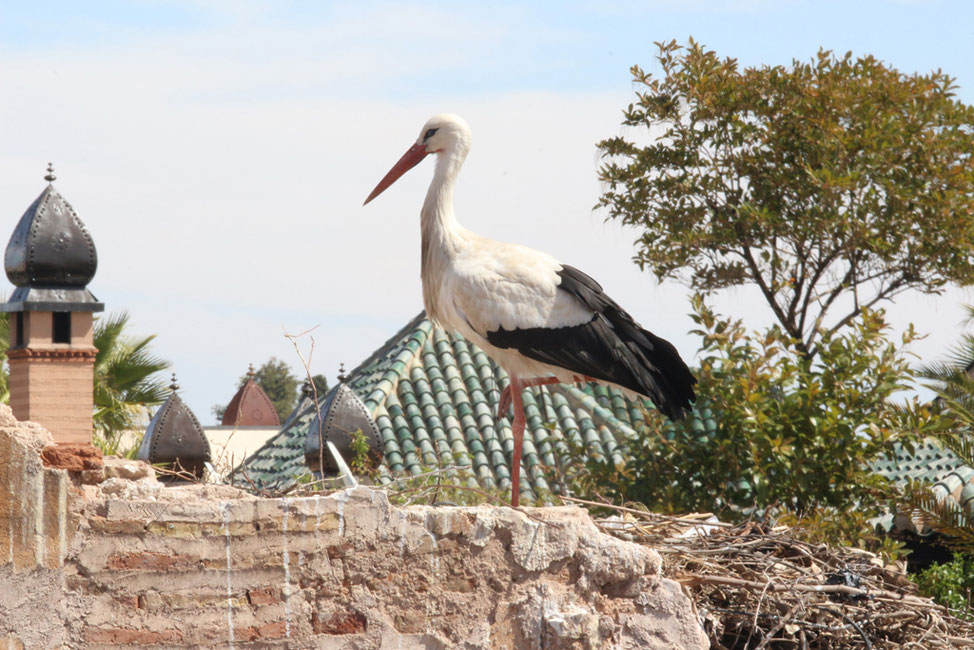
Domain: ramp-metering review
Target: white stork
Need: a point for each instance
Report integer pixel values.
(542, 321)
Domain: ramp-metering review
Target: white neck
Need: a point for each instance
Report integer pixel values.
(437, 214)
(438, 223)
(441, 234)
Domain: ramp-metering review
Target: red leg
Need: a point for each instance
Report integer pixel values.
(505, 401)
(517, 428)
(512, 394)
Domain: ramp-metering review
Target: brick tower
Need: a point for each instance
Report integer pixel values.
(51, 259)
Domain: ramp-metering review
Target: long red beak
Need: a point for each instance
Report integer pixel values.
(409, 160)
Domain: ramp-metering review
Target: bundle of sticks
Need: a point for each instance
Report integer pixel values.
(757, 587)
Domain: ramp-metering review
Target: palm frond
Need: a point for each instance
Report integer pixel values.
(953, 381)
(941, 514)
(962, 445)
(125, 379)
(960, 358)
(107, 331)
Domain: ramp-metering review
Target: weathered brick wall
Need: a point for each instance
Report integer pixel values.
(33, 505)
(147, 565)
(37, 524)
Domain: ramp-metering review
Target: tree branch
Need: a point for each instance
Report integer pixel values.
(799, 285)
(820, 269)
(836, 291)
(770, 297)
(893, 288)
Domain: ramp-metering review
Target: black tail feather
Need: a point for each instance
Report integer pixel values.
(611, 347)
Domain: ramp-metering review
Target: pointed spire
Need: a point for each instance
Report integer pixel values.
(251, 406)
(176, 439)
(342, 413)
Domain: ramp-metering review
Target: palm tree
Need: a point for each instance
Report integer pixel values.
(126, 384)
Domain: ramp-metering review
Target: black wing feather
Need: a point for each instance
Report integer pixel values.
(611, 347)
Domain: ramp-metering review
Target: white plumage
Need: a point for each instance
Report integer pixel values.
(492, 285)
(540, 320)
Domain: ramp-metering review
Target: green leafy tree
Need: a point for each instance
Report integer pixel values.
(785, 431)
(321, 385)
(278, 382)
(126, 382)
(831, 185)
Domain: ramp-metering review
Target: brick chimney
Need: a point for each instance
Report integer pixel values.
(51, 259)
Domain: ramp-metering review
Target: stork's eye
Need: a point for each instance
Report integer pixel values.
(429, 134)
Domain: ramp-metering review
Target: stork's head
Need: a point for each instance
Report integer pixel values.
(444, 131)
(444, 134)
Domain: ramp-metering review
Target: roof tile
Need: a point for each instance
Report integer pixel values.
(434, 399)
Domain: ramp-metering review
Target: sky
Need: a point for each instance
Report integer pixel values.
(219, 152)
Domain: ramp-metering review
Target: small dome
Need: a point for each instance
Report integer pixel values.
(50, 246)
(175, 438)
(251, 407)
(343, 414)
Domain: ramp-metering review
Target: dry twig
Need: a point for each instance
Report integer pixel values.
(763, 589)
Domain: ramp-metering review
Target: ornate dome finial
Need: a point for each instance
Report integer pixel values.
(174, 386)
(341, 372)
(250, 371)
(50, 246)
(50, 178)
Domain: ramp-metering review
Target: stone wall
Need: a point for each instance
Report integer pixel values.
(129, 562)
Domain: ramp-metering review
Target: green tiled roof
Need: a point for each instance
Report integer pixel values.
(434, 398)
(932, 464)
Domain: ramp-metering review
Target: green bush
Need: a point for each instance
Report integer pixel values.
(787, 433)
(951, 584)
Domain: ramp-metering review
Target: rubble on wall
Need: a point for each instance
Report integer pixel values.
(72, 457)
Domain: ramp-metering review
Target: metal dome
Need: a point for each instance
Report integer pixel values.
(343, 413)
(51, 257)
(251, 407)
(175, 437)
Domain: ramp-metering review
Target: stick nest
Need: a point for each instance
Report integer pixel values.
(756, 587)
